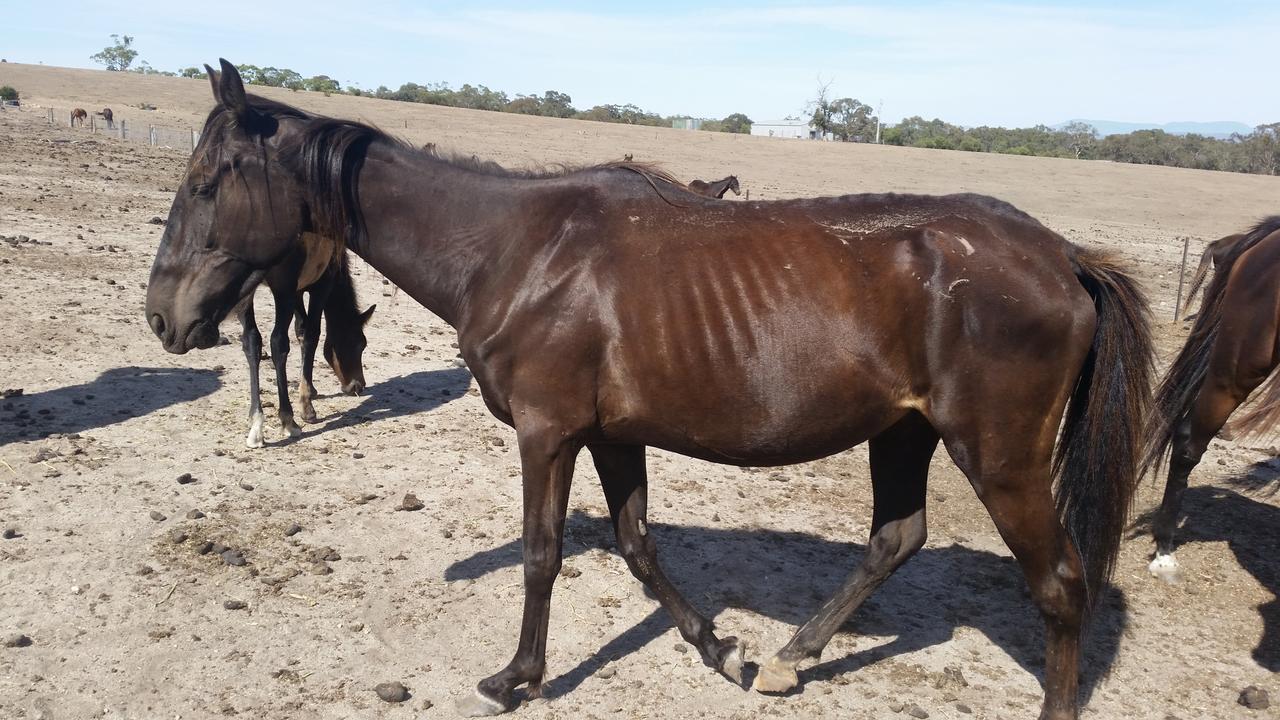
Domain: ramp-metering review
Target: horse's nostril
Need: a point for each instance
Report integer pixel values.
(157, 324)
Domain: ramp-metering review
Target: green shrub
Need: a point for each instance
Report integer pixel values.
(8, 93)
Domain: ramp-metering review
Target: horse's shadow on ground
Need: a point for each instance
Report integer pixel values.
(1251, 529)
(116, 395)
(397, 397)
(787, 575)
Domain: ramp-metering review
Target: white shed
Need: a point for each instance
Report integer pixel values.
(793, 129)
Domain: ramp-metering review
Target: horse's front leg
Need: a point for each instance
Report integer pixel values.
(546, 459)
(310, 340)
(280, 358)
(251, 342)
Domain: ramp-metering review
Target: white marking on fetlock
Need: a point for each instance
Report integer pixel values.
(775, 676)
(732, 663)
(290, 426)
(1165, 567)
(254, 438)
(477, 705)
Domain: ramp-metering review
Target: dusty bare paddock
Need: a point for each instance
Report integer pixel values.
(127, 618)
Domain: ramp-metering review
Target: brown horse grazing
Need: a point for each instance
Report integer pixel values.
(78, 116)
(1234, 346)
(1211, 258)
(109, 117)
(715, 189)
(603, 308)
(324, 275)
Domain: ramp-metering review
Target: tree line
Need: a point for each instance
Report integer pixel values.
(1258, 152)
(844, 119)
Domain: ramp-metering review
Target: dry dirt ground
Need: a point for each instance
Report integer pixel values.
(127, 622)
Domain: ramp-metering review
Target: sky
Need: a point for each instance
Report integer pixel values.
(970, 63)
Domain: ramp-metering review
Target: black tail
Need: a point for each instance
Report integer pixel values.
(1101, 445)
(1178, 391)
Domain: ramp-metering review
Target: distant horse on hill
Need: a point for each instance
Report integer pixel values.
(78, 116)
(715, 189)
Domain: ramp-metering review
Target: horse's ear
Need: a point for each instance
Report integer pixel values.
(231, 93)
(364, 316)
(215, 77)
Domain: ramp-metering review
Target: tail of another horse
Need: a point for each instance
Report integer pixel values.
(1101, 445)
(1177, 392)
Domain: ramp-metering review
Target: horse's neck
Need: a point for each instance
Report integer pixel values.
(433, 229)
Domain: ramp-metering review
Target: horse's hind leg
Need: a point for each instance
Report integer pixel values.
(1011, 473)
(626, 489)
(899, 468)
(251, 342)
(280, 358)
(1213, 406)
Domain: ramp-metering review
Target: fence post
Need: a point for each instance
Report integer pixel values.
(93, 124)
(193, 140)
(124, 131)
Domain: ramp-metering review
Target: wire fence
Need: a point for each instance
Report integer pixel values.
(183, 139)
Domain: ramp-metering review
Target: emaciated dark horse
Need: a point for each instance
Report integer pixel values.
(324, 275)
(604, 309)
(1234, 346)
(715, 189)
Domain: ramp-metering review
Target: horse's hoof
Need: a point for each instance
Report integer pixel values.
(477, 704)
(309, 417)
(732, 653)
(292, 428)
(1165, 567)
(775, 677)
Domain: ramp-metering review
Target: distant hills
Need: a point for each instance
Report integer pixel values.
(1221, 130)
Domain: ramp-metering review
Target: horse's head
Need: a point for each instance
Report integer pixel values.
(238, 212)
(733, 184)
(344, 346)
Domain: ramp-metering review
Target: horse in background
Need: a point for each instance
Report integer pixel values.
(108, 116)
(1231, 351)
(78, 116)
(326, 278)
(715, 189)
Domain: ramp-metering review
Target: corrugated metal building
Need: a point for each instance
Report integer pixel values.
(793, 129)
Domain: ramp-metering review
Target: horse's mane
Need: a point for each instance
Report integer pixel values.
(1178, 390)
(328, 153)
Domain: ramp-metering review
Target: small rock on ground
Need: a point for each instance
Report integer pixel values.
(1254, 698)
(292, 530)
(234, 604)
(392, 692)
(17, 641)
(411, 503)
(916, 711)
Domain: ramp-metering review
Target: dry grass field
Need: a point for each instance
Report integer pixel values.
(126, 617)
